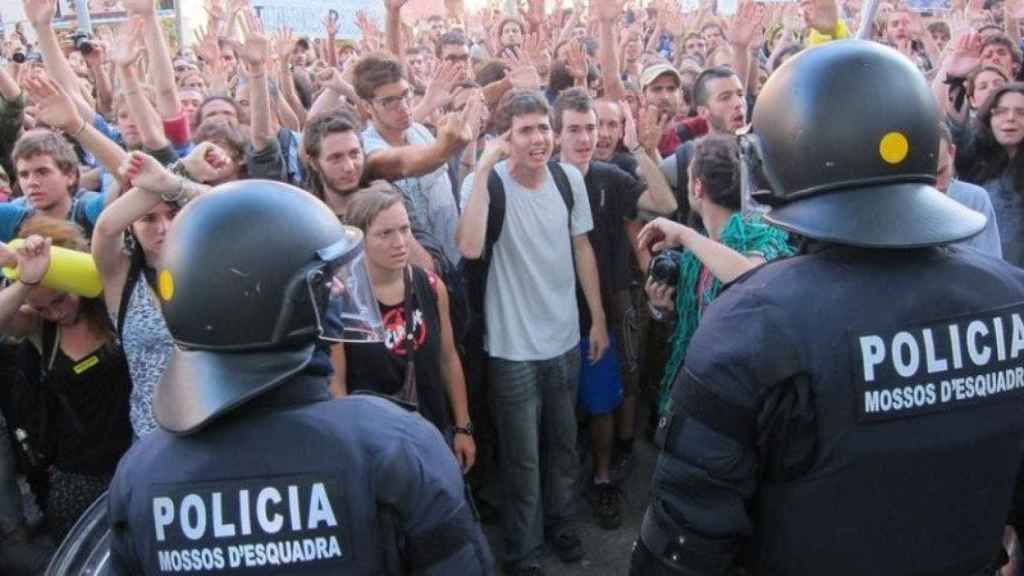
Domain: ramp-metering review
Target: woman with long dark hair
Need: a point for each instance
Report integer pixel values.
(998, 166)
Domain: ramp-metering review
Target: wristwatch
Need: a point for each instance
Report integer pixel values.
(467, 430)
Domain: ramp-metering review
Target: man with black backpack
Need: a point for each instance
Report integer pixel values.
(524, 226)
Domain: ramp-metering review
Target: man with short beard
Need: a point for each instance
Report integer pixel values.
(720, 99)
(335, 159)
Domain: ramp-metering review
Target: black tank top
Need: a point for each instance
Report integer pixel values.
(380, 366)
(76, 412)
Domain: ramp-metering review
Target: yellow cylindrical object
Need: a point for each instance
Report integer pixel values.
(70, 271)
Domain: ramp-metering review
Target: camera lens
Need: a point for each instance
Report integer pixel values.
(19, 57)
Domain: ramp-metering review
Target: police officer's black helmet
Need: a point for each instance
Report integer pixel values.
(236, 295)
(846, 135)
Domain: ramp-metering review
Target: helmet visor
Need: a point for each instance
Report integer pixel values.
(342, 294)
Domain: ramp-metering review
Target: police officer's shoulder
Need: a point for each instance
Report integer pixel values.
(379, 421)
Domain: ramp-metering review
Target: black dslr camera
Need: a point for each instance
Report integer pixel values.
(81, 41)
(664, 267)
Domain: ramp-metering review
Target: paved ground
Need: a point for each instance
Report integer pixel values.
(606, 552)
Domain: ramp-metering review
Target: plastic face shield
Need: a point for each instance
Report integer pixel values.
(342, 294)
(752, 185)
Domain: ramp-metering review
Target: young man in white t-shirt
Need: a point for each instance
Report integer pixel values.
(533, 325)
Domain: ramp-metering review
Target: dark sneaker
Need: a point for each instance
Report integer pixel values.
(567, 546)
(622, 467)
(607, 503)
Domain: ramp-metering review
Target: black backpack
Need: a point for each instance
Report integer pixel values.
(475, 272)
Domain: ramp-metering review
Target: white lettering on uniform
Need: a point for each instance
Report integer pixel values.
(872, 350)
(320, 508)
(293, 508)
(266, 524)
(163, 515)
(905, 366)
(243, 512)
(220, 529)
(932, 364)
(193, 503)
(980, 357)
(954, 345)
(1018, 337)
(997, 326)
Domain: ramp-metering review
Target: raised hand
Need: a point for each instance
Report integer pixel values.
(255, 51)
(538, 53)
(474, 113)
(1013, 9)
(33, 259)
(394, 5)
(40, 12)
(330, 78)
(443, 82)
(495, 151)
(965, 56)
(129, 44)
(215, 11)
(53, 105)
(454, 128)
(207, 47)
(650, 126)
(331, 23)
(208, 163)
(577, 62)
(748, 20)
(284, 42)
(145, 172)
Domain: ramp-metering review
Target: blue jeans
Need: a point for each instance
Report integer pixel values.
(535, 416)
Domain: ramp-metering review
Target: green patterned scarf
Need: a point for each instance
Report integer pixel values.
(746, 235)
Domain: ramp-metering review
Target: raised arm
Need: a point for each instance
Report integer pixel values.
(471, 234)
(55, 108)
(284, 42)
(393, 28)
(741, 33)
(396, 163)
(331, 33)
(606, 12)
(32, 259)
(642, 141)
(40, 15)
(126, 53)
(161, 69)
(255, 52)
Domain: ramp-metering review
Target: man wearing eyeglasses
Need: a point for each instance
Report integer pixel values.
(407, 154)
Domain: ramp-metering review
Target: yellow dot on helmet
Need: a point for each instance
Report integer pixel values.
(894, 148)
(165, 285)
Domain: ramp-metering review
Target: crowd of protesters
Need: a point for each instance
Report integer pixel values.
(501, 167)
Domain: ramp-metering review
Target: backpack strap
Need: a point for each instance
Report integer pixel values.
(495, 212)
(134, 272)
(564, 188)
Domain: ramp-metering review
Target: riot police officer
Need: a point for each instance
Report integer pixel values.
(855, 409)
(254, 470)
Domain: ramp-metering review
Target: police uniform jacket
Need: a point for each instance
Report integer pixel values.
(847, 412)
(296, 484)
